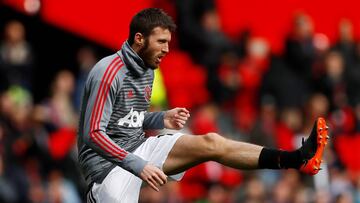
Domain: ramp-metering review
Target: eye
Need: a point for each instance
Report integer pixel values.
(162, 41)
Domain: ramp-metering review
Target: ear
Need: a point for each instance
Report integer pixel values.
(139, 39)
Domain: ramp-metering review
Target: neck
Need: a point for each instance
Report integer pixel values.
(136, 48)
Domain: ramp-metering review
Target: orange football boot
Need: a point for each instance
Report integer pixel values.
(313, 148)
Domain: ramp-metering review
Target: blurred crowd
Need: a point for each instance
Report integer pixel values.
(236, 87)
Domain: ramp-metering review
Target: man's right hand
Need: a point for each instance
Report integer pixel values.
(153, 176)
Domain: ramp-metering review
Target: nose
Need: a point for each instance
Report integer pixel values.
(165, 48)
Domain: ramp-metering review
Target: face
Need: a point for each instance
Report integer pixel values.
(155, 47)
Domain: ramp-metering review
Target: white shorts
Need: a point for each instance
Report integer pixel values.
(122, 186)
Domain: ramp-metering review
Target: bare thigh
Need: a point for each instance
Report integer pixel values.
(188, 151)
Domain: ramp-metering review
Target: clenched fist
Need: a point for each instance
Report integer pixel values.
(176, 118)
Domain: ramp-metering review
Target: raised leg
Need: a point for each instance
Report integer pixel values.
(190, 150)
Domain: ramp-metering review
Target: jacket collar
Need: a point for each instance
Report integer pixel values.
(132, 60)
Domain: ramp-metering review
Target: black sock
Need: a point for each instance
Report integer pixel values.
(278, 159)
(269, 158)
(290, 159)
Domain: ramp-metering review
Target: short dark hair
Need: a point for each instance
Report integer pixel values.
(148, 19)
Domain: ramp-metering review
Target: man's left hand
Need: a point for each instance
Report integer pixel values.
(176, 118)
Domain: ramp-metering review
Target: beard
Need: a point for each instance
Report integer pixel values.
(146, 55)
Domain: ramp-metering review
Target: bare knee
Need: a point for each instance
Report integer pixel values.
(213, 145)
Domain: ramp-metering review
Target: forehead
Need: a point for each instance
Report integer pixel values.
(159, 32)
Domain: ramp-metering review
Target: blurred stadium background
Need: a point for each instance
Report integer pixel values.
(255, 71)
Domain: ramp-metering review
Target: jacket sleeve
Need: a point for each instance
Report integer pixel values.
(153, 120)
(102, 85)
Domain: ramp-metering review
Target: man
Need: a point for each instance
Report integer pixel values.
(114, 154)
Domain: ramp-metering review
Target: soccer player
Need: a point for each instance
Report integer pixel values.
(114, 155)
